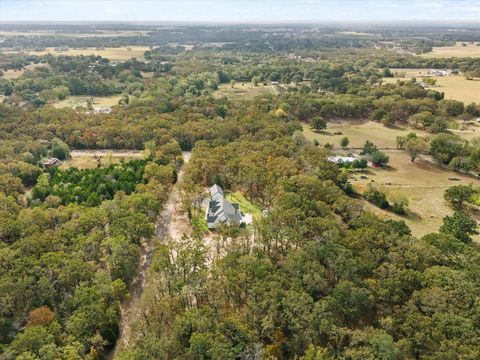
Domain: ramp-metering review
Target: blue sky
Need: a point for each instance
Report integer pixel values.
(238, 10)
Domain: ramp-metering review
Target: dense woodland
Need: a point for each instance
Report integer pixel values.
(315, 277)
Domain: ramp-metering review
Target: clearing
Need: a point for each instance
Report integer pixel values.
(246, 206)
(457, 50)
(172, 223)
(81, 101)
(422, 182)
(15, 74)
(113, 53)
(358, 131)
(86, 159)
(455, 87)
(243, 91)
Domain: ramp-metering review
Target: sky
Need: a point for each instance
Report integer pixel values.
(240, 10)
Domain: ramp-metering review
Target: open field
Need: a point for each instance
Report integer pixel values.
(458, 50)
(455, 87)
(422, 182)
(243, 92)
(85, 159)
(97, 33)
(74, 101)
(358, 131)
(113, 53)
(14, 74)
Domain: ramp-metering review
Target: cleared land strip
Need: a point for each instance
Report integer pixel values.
(172, 223)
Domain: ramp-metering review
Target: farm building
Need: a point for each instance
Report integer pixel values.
(221, 211)
(51, 162)
(339, 160)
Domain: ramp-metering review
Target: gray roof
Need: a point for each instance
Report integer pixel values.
(220, 210)
(215, 189)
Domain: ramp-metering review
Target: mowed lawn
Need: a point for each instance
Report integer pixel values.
(243, 92)
(358, 131)
(122, 53)
(74, 101)
(457, 50)
(245, 205)
(85, 159)
(455, 87)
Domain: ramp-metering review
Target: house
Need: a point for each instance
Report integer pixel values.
(436, 72)
(51, 162)
(221, 211)
(339, 160)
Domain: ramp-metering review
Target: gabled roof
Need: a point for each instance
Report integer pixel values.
(216, 189)
(220, 210)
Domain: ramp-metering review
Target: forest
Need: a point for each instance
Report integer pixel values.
(320, 274)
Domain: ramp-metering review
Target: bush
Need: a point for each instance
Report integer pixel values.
(380, 158)
(376, 197)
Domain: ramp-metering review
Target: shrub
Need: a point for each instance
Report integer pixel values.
(376, 197)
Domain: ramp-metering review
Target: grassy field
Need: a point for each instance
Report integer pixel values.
(358, 131)
(455, 87)
(113, 53)
(85, 159)
(243, 92)
(422, 182)
(245, 205)
(98, 33)
(74, 101)
(14, 74)
(458, 50)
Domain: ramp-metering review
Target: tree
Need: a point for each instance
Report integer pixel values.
(458, 195)
(318, 123)
(399, 202)
(344, 142)
(60, 150)
(376, 197)
(451, 107)
(460, 226)
(444, 147)
(369, 148)
(415, 146)
(380, 158)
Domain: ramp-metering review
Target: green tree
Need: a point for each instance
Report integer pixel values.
(416, 146)
(318, 123)
(458, 195)
(344, 142)
(460, 226)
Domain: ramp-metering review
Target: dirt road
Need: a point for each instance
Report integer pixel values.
(171, 224)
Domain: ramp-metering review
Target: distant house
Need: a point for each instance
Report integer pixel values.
(339, 160)
(51, 163)
(221, 211)
(436, 72)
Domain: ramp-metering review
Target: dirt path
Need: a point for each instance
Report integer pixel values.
(171, 224)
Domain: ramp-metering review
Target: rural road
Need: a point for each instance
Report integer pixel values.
(171, 224)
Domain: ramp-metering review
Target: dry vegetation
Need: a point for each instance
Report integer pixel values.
(457, 50)
(81, 101)
(422, 182)
(87, 159)
(113, 53)
(243, 91)
(358, 131)
(455, 87)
